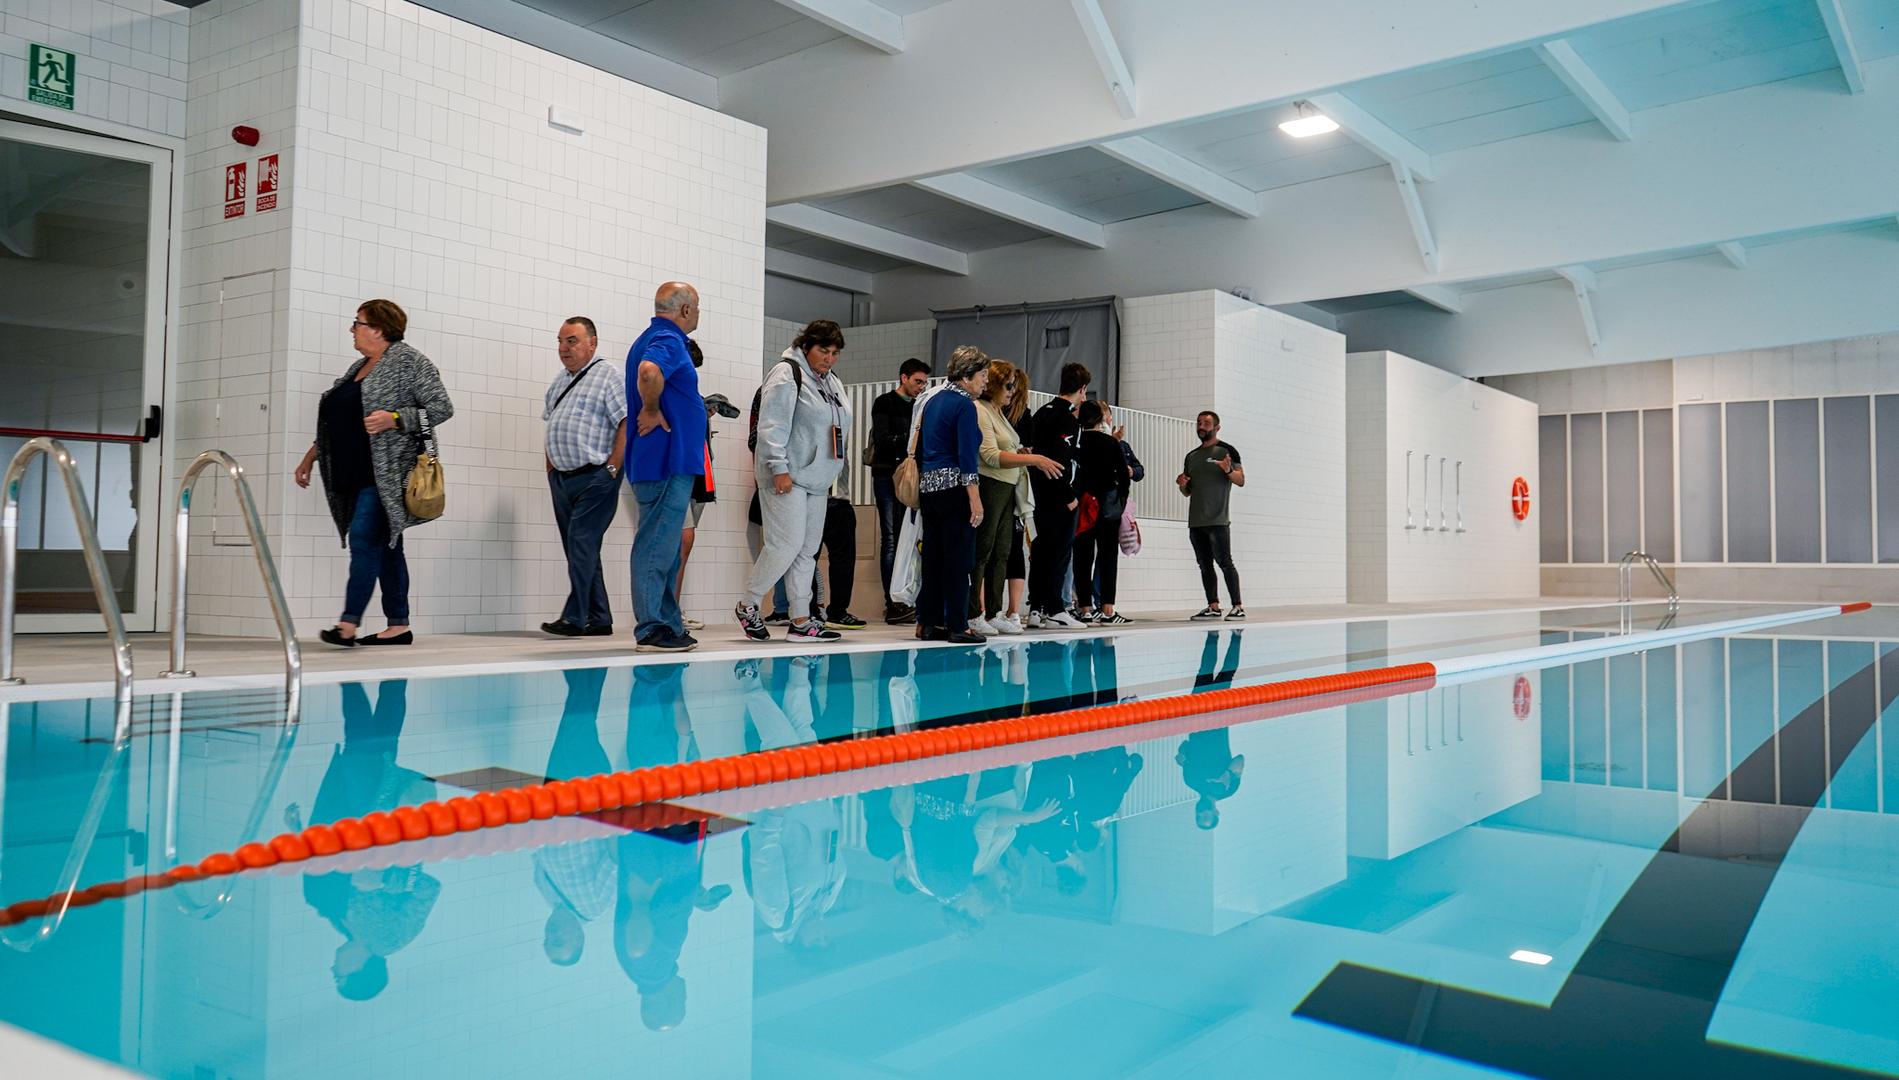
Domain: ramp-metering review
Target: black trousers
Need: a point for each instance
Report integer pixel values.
(840, 548)
(1213, 546)
(949, 554)
(1097, 555)
(1048, 557)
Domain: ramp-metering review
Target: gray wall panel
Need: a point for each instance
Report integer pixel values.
(1658, 483)
(1549, 500)
(1624, 434)
(1585, 487)
(1887, 408)
(1849, 511)
(1749, 512)
(1797, 480)
(1701, 508)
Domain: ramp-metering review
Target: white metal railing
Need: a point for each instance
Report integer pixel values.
(1158, 441)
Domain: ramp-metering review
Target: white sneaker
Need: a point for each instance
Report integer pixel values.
(982, 626)
(1005, 624)
(1032, 621)
(1062, 620)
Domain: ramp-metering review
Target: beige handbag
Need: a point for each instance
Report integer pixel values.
(425, 496)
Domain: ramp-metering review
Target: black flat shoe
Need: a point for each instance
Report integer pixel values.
(407, 637)
(333, 636)
(599, 630)
(562, 628)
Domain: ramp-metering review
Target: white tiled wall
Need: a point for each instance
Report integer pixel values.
(1402, 407)
(130, 59)
(420, 166)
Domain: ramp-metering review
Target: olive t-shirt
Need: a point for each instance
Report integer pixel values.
(1207, 497)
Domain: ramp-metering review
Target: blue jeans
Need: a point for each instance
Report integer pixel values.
(883, 488)
(656, 555)
(371, 560)
(584, 505)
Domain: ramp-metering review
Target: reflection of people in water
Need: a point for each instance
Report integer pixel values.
(378, 912)
(792, 864)
(578, 880)
(1212, 770)
(661, 883)
(956, 832)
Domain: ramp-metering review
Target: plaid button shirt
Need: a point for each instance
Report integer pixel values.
(580, 431)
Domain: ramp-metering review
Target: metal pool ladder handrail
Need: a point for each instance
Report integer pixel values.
(266, 566)
(1625, 584)
(95, 567)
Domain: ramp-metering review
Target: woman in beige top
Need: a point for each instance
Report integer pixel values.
(1001, 463)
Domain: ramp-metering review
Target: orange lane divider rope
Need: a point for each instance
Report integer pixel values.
(643, 790)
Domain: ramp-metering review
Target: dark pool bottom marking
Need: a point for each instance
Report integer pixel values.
(1642, 995)
(695, 826)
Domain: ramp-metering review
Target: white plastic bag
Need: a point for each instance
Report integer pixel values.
(906, 573)
(1130, 531)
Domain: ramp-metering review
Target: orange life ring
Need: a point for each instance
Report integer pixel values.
(1520, 498)
(1520, 698)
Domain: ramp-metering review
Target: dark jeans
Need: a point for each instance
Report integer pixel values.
(949, 551)
(840, 547)
(372, 560)
(1213, 545)
(1098, 552)
(889, 524)
(584, 505)
(1048, 557)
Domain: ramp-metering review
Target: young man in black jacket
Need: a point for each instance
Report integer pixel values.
(889, 445)
(1055, 431)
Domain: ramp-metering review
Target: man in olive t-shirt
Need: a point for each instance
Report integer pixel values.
(1211, 472)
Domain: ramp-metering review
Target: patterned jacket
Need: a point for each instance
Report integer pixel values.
(404, 382)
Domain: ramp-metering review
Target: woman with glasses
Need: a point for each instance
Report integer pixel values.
(1003, 461)
(369, 432)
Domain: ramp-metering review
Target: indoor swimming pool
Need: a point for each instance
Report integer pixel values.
(1679, 860)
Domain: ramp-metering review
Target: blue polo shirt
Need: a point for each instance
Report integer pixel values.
(660, 454)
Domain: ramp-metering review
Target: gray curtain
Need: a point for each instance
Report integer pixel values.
(1040, 338)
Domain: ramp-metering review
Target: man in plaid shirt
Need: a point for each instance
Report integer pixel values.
(586, 440)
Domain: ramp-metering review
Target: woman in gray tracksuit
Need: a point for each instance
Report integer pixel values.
(804, 419)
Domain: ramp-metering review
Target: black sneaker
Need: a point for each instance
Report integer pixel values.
(777, 618)
(666, 641)
(811, 630)
(963, 637)
(900, 615)
(1238, 614)
(1116, 619)
(563, 628)
(597, 630)
(1208, 614)
(748, 621)
(845, 621)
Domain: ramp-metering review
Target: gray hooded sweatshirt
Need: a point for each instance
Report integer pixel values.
(794, 425)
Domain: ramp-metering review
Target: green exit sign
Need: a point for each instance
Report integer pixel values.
(50, 77)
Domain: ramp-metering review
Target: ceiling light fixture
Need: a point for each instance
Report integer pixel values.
(1526, 956)
(1309, 122)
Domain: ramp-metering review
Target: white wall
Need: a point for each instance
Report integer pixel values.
(130, 56)
(1402, 410)
(420, 167)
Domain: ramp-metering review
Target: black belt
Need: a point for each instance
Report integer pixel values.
(583, 470)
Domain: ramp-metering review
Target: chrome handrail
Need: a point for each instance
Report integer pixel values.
(1625, 587)
(95, 566)
(266, 566)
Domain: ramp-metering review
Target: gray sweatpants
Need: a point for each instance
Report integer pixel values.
(794, 527)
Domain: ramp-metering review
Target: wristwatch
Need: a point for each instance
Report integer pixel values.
(614, 471)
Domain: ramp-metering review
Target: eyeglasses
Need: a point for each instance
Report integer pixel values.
(354, 323)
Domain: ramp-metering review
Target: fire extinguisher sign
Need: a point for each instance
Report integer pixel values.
(267, 183)
(236, 189)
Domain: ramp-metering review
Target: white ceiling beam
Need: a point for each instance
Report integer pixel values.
(867, 237)
(980, 194)
(1834, 14)
(1733, 252)
(1414, 210)
(1588, 87)
(1445, 298)
(1114, 67)
(876, 26)
(1583, 282)
(788, 264)
(1375, 135)
(1170, 168)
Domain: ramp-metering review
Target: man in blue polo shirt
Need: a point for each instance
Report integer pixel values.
(665, 454)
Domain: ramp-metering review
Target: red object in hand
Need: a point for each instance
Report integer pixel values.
(246, 134)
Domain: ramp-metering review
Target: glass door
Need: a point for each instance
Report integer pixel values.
(84, 240)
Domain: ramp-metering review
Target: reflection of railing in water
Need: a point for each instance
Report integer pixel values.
(95, 566)
(266, 566)
(280, 757)
(62, 897)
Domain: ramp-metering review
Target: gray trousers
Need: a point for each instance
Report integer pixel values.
(793, 529)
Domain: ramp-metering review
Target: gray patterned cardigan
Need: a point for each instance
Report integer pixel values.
(404, 382)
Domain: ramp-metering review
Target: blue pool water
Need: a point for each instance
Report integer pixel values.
(1692, 851)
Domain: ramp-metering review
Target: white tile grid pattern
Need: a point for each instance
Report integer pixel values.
(425, 171)
(1426, 410)
(130, 59)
